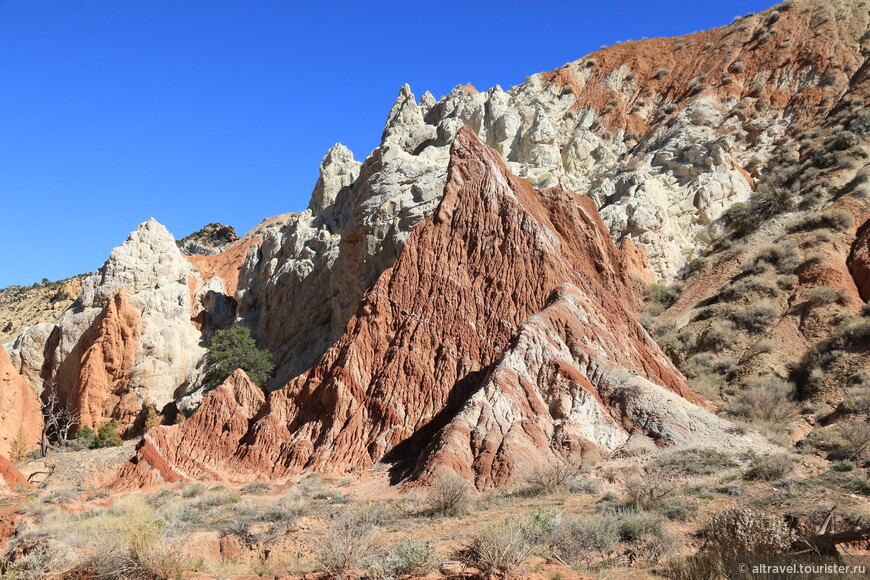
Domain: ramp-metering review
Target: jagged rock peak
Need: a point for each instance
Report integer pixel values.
(211, 239)
(338, 169)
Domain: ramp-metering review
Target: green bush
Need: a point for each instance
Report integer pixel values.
(108, 436)
(755, 317)
(235, 348)
(86, 437)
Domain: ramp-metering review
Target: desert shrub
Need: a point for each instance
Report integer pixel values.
(742, 531)
(108, 436)
(813, 258)
(449, 495)
(856, 439)
(750, 285)
(86, 437)
(410, 557)
(662, 73)
(719, 335)
(194, 490)
(660, 297)
(768, 399)
(218, 497)
(584, 539)
(43, 559)
(350, 543)
(548, 479)
(823, 158)
(256, 488)
(822, 295)
(583, 484)
(842, 465)
(767, 201)
(500, 547)
(784, 256)
(734, 534)
(856, 401)
(755, 317)
(235, 348)
(649, 493)
(284, 511)
(695, 462)
(835, 219)
(841, 140)
(733, 489)
(769, 467)
(704, 363)
(860, 123)
(144, 552)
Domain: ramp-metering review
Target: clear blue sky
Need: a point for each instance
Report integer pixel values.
(114, 111)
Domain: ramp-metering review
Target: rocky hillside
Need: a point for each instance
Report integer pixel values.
(620, 307)
(24, 306)
(211, 239)
(682, 145)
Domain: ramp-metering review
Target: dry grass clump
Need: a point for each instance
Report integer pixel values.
(584, 539)
(501, 547)
(145, 552)
(783, 255)
(350, 543)
(755, 317)
(549, 479)
(767, 399)
(695, 462)
(719, 335)
(835, 219)
(449, 495)
(256, 488)
(39, 558)
(823, 295)
(407, 558)
(747, 286)
(769, 467)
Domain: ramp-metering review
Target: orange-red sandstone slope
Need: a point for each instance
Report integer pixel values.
(426, 336)
(20, 414)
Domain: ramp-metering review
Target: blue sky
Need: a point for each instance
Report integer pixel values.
(112, 111)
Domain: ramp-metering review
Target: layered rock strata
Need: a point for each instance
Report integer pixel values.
(498, 264)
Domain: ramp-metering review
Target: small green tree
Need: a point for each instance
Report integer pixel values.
(234, 348)
(86, 436)
(108, 436)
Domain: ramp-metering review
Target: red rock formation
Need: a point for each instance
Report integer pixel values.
(763, 56)
(20, 413)
(9, 473)
(428, 333)
(199, 447)
(98, 370)
(859, 260)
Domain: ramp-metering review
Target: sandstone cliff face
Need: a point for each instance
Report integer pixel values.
(20, 414)
(440, 330)
(128, 341)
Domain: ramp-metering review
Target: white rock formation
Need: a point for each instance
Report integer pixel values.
(154, 273)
